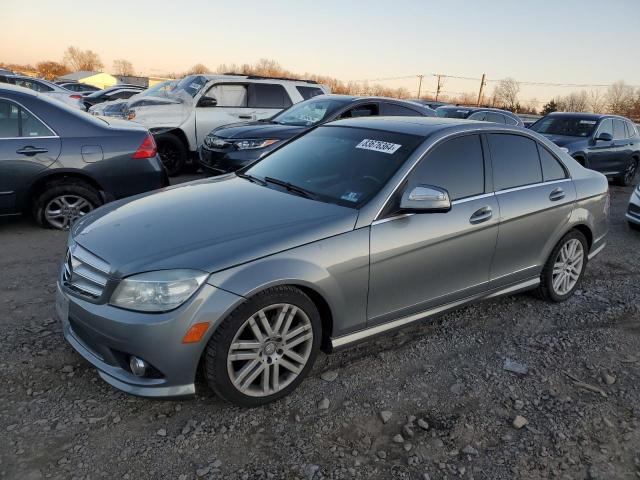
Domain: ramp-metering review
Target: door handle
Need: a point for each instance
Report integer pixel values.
(30, 151)
(481, 215)
(556, 194)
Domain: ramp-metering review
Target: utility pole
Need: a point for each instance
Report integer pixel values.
(482, 84)
(419, 85)
(439, 87)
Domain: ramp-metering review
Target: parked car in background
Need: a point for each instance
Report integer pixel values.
(633, 210)
(231, 147)
(430, 103)
(117, 92)
(120, 108)
(78, 87)
(4, 71)
(356, 228)
(200, 103)
(529, 119)
(483, 114)
(60, 163)
(606, 143)
(46, 88)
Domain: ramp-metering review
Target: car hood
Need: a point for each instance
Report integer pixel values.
(258, 130)
(208, 225)
(563, 140)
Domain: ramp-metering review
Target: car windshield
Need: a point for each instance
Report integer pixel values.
(453, 112)
(309, 112)
(567, 126)
(191, 85)
(337, 164)
(159, 89)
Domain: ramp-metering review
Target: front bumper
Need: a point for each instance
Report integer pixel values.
(227, 160)
(633, 210)
(106, 336)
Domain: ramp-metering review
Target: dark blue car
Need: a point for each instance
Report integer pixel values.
(606, 143)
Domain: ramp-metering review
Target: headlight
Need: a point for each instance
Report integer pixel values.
(253, 144)
(564, 149)
(157, 291)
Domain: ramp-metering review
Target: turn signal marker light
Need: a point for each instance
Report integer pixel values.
(196, 332)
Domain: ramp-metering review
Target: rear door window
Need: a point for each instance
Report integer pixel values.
(393, 110)
(619, 131)
(228, 95)
(18, 122)
(515, 161)
(631, 129)
(510, 121)
(266, 95)
(551, 167)
(308, 92)
(495, 117)
(456, 165)
(479, 116)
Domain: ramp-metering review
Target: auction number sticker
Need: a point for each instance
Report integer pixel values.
(588, 122)
(378, 146)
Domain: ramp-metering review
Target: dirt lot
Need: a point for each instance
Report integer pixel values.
(431, 402)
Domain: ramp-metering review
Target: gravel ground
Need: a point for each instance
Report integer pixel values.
(433, 401)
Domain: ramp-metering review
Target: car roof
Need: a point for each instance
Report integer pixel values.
(476, 109)
(15, 89)
(586, 116)
(353, 98)
(421, 126)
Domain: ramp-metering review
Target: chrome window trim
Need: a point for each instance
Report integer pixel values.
(472, 198)
(55, 134)
(531, 185)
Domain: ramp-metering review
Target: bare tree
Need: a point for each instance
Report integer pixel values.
(620, 98)
(597, 102)
(51, 70)
(77, 59)
(506, 93)
(122, 67)
(575, 102)
(198, 69)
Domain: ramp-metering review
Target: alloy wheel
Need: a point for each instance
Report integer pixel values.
(169, 156)
(63, 210)
(270, 350)
(630, 172)
(568, 267)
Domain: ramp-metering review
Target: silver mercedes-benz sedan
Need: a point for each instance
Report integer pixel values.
(356, 228)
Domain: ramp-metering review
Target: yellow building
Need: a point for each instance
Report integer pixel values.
(97, 79)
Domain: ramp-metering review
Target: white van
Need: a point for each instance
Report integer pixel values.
(200, 103)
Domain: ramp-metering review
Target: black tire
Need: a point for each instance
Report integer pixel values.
(545, 290)
(58, 188)
(634, 226)
(172, 151)
(628, 175)
(215, 355)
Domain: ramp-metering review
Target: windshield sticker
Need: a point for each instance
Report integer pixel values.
(378, 146)
(588, 122)
(352, 196)
(462, 111)
(195, 86)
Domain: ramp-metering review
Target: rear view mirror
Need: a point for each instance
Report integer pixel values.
(207, 102)
(426, 198)
(605, 137)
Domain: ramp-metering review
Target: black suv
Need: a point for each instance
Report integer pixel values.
(228, 148)
(606, 143)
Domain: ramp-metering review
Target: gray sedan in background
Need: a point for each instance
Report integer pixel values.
(356, 228)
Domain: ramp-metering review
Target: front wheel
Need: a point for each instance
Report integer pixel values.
(265, 348)
(564, 269)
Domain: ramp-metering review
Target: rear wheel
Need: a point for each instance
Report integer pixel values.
(265, 348)
(61, 202)
(628, 175)
(172, 151)
(564, 269)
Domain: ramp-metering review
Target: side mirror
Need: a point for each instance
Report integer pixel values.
(605, 137)
(207, 102)
(426, 198)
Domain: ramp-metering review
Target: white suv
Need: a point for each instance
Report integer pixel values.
(200, 103)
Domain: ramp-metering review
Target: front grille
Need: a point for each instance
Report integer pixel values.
(84, 273)
(634, 210)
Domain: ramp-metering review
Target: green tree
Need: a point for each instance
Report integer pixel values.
(550, 106)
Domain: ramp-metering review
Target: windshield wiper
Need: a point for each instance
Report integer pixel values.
(251, 178)
(292, 188)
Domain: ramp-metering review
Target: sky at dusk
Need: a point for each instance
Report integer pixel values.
(559, 41)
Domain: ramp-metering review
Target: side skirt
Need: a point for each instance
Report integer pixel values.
(362, 335)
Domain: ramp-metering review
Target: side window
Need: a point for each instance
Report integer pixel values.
(631, 128)
(606, 126)
(510, 120)
(264, 95)
(393, 110)
(619, 131)
(479, 116)
(308, 92)
(551, 167)
(495, 117)
(18, 122)
(456, 165)
(367, 110)
(9, 120)
(515, 161)
(228, 95)
(37, 86)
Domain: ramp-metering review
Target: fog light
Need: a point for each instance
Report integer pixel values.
(138, 366)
